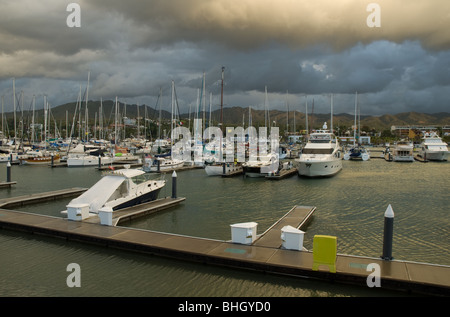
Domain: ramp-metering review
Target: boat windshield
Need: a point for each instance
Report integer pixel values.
(139, 179)
(317, 151)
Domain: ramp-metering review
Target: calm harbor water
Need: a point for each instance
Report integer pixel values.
(350, 205)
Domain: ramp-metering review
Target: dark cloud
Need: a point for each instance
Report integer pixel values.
(135, 48)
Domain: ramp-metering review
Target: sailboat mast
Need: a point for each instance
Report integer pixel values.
(14, 101)
(331, 128)
(87, 112)
(354, 131)
(221, 100)
(32, 120)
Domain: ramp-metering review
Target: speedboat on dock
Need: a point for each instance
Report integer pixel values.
(116, 190)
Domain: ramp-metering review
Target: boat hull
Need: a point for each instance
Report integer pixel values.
(145, 198)
(87, 161)
(319, 169)
(218, 170)
(41, 160)
(435, 156)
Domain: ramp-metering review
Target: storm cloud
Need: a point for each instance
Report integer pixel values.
(132, 49)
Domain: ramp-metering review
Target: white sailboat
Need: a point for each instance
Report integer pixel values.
(357, 151)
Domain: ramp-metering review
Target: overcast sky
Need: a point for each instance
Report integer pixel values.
(299, 49)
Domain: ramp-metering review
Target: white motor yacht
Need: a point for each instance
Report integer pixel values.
(321, 155)
(403, 151)
(433, 148)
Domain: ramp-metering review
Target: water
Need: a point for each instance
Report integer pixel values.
(350, 205)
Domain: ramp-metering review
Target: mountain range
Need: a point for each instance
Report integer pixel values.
(239, 116)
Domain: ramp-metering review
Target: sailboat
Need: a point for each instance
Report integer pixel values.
(357, 151)
(218, 168)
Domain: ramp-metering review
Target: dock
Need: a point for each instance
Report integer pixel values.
(283, 174)
(7, 184)
(297, 217)
(40, 197)
(264, 255)
(141, 210)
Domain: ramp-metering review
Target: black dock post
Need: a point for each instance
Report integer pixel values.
(388, 233)
(8, 172)
(174, 184)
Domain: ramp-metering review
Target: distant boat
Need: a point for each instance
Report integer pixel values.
(403, 151)
(357, 151)
(321, 156)
(40, 158)
(161, 164)
(119, 189)
(83, 156)
(261, 166)
(433, 148)
(219, 169)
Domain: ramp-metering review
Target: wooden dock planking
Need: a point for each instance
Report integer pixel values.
(297, 217)
(395, 275)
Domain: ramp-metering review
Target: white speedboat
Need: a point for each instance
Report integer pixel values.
(261, 166)
(321, 156)
(118, 189)
(433, 148)
(403, 151)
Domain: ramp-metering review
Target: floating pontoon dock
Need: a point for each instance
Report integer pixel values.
(264, 255)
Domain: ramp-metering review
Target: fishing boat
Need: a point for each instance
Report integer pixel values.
(433, 148)
(321, 156)
(40, 158)
(403, 151)
(117, 190)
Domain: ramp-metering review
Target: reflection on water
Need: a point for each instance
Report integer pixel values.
(350, 205)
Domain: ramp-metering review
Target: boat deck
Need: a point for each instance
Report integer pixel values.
(263, 255)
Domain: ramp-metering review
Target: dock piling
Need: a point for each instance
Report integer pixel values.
(174, 184)
(8, 172)
(388, 233)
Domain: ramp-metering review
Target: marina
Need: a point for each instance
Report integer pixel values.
(191, 242)
(262, 255)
